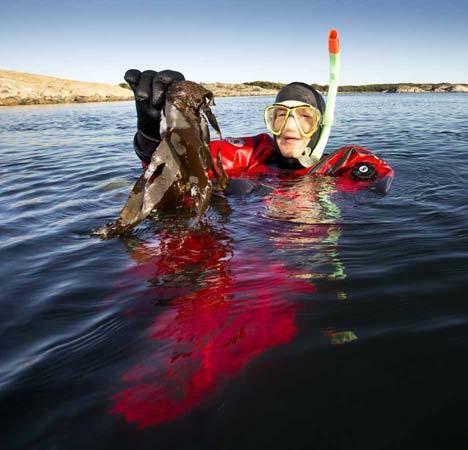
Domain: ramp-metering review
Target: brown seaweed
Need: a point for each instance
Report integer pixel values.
(181, 163)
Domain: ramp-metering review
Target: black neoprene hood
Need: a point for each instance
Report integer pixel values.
(301, 92)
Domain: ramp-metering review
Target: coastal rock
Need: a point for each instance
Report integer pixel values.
(231, 90)
(405, 89)
(459, 88)
(443, 88)
(17, 88)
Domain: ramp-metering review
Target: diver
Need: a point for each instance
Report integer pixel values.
(294, 119)
(299, 120)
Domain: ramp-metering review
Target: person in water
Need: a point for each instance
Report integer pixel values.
(294, 120)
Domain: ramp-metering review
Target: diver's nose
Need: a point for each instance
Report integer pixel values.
(291, 124)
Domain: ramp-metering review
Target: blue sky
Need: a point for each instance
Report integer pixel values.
(382, 41)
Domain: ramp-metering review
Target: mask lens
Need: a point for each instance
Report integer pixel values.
(275, 118)
(307, 118)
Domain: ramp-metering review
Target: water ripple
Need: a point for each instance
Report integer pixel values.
(318, 271)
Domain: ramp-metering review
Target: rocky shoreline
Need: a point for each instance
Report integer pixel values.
(18, 88)
(405, 89)
(237, 90)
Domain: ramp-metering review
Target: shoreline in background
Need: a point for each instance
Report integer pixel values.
(18, 88)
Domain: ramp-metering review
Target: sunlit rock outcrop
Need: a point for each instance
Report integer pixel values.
(17, 88)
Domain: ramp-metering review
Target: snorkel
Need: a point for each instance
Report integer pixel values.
(308, 160)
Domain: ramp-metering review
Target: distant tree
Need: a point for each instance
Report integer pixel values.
(265, 84)
(383, 87)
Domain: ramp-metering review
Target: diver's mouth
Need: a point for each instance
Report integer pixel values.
(291, 138)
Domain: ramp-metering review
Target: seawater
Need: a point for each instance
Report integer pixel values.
(302, 318)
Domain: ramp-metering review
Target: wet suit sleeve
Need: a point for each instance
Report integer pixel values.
(243, 155)
(144, 146)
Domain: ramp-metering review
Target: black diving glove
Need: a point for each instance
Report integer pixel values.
(149, 88)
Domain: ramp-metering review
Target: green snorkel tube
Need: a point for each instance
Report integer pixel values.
(313, 157)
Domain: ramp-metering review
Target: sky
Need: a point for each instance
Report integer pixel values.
(98, 40)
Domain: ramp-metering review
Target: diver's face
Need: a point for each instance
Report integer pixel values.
(291, 143)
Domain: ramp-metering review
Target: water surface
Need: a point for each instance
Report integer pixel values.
(307, 318)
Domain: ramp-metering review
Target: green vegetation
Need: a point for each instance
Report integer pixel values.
(265, 84)
(384, 87)
(321, 87)
(389, 87)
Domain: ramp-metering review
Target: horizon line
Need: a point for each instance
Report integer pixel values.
(249, 81)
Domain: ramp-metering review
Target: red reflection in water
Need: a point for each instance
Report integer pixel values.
(242, 308)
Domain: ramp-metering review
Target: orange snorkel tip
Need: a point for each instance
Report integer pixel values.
(333, 42)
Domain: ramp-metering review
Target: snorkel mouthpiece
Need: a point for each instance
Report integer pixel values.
(313, 157)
